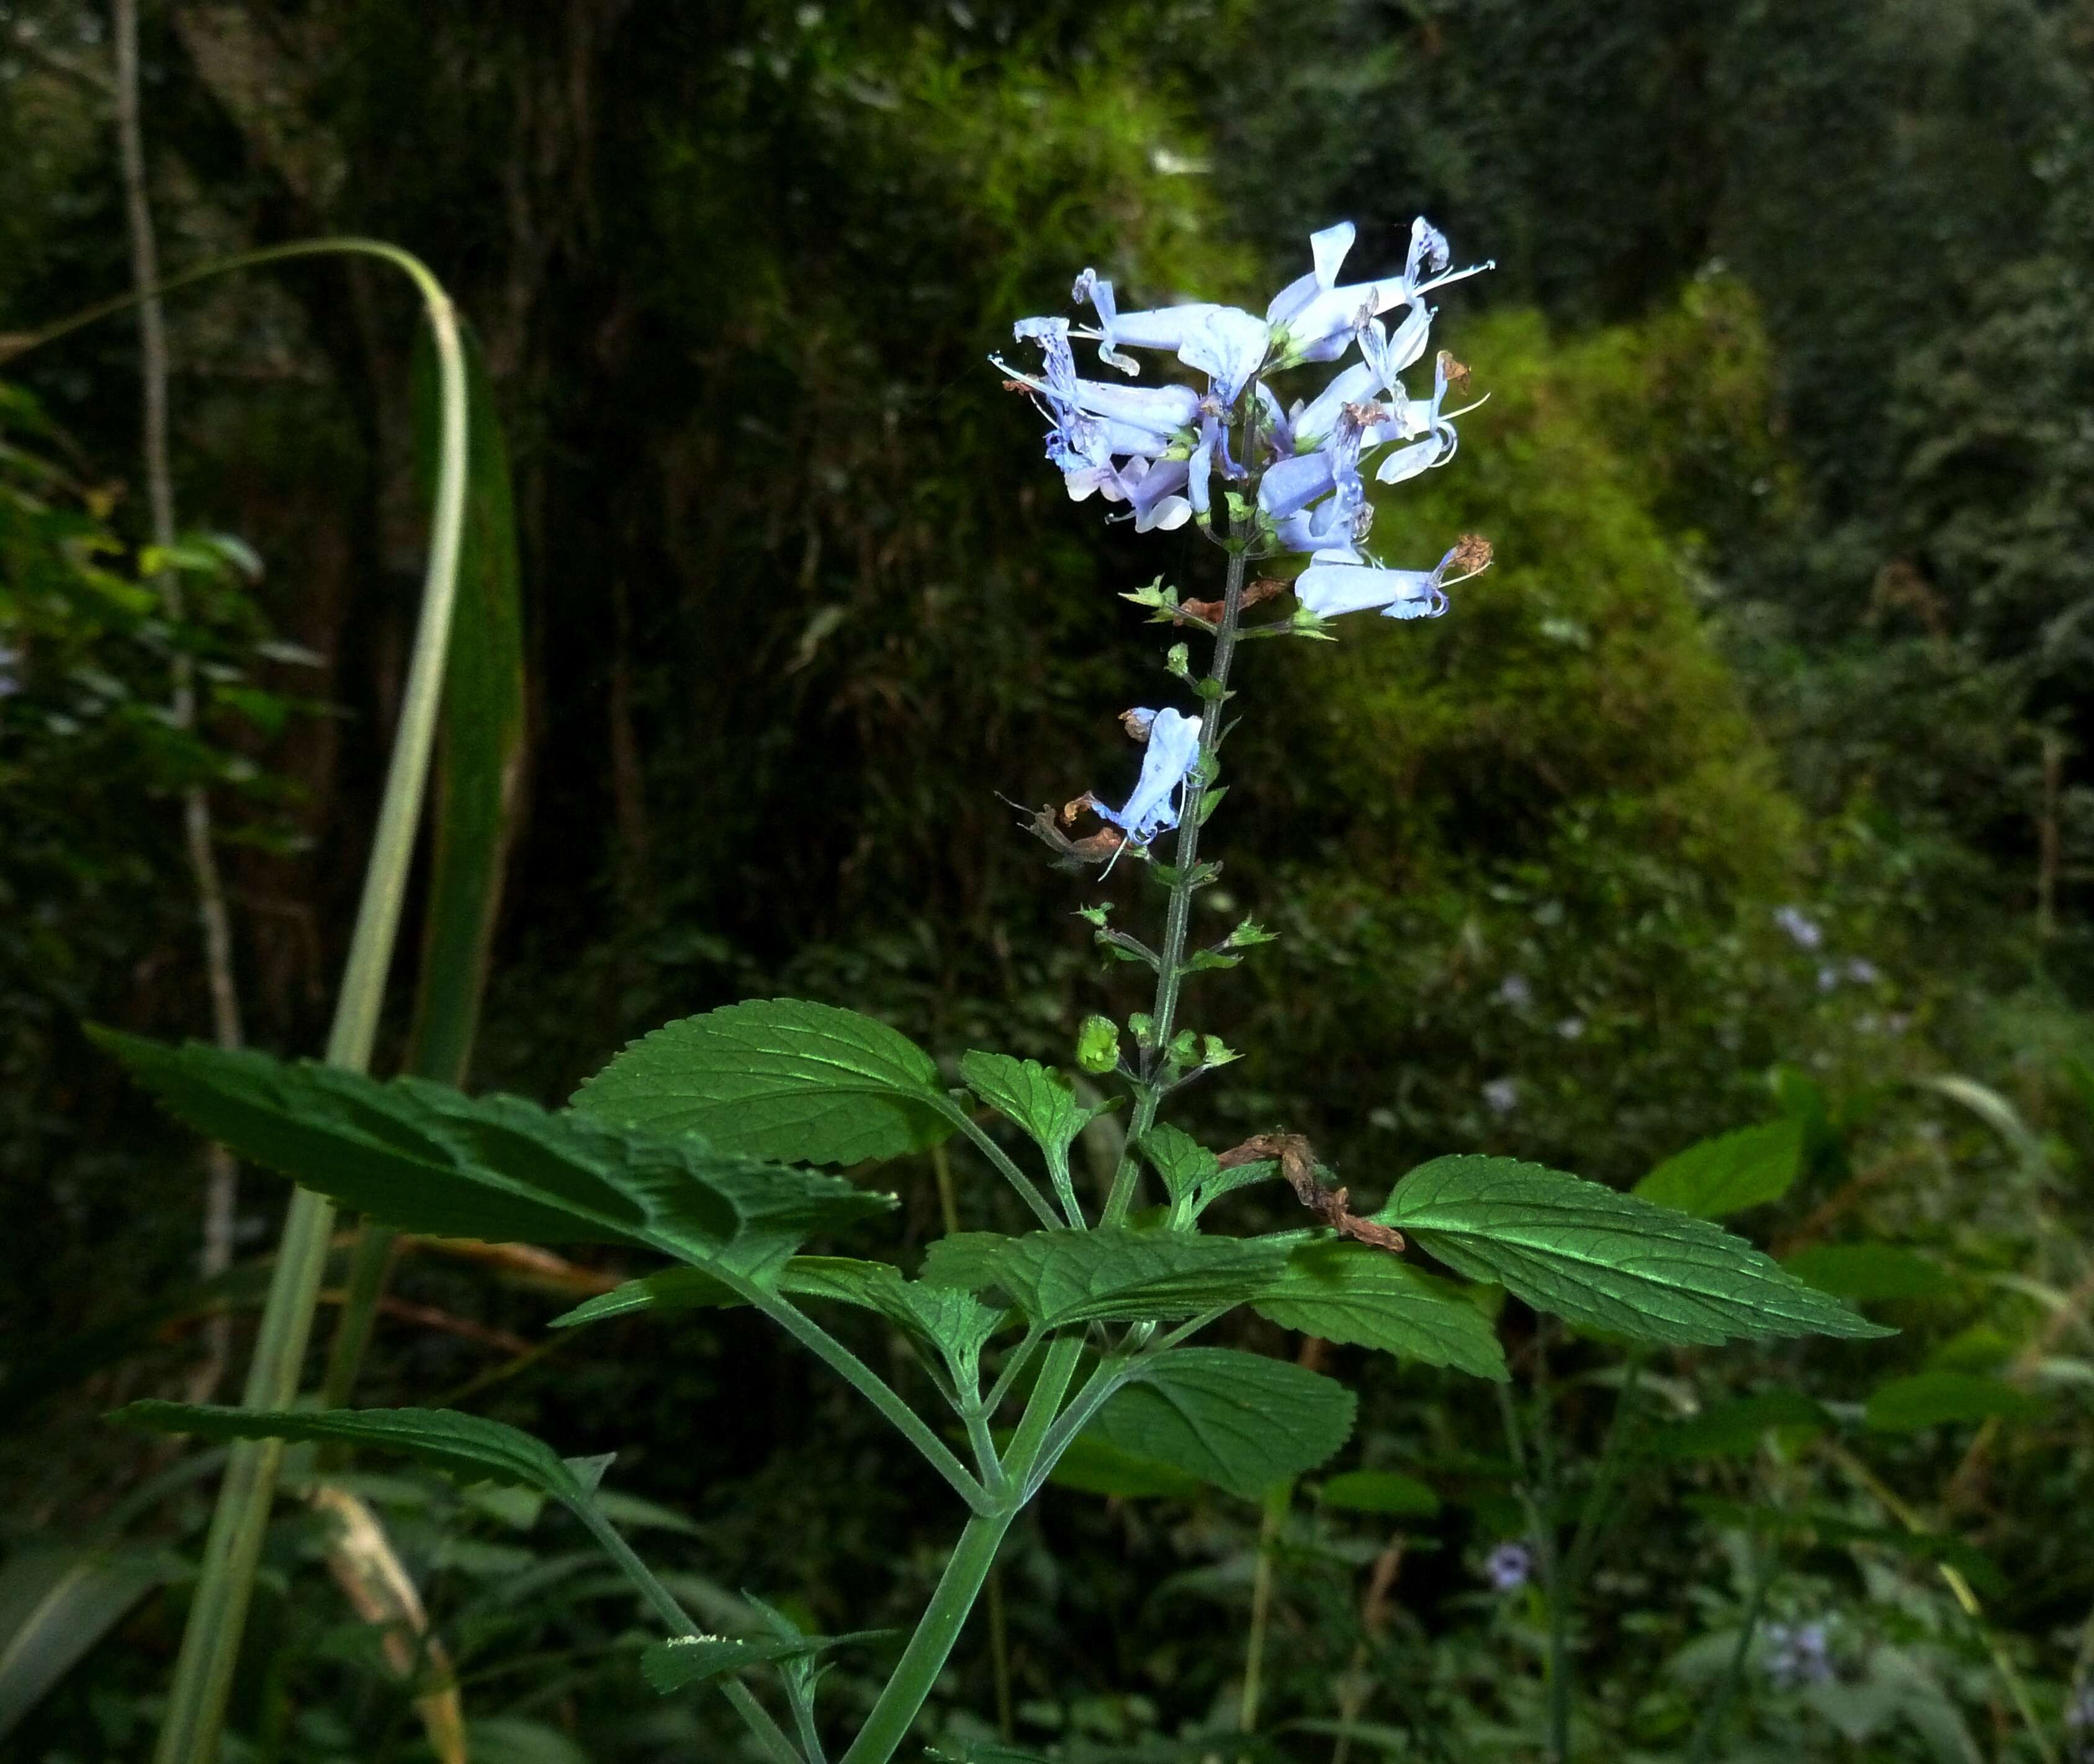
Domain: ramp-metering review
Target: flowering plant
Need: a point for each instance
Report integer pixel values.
(711, 1144)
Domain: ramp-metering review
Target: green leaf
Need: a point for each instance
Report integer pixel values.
(955, 1322)
(1347, 1292)
(1033, 1097)
(1605, 1260)
(684, 1661)
(963, 1260)
(1180, 1162)
(56, 1602)
(422, 1157)
(1735, 1429)
(1092, 1466)
(1862, 1271)
(479, 763)
(952, 1320)
(1936, 1399)
(1726, 1174)
(777, 1077)
(1380, 1491)
(1240, 1421)
(470, 1447)
(1060, 1278)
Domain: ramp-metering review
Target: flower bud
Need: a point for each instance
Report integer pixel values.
(1097, 1045)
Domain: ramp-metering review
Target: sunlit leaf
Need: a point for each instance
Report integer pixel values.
(1604, 1259)
(777, 1077)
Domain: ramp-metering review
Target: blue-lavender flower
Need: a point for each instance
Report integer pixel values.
(1157, 449)
(1172, 749)
(1509, 1566)
(1797, 1655)
(1340, 580)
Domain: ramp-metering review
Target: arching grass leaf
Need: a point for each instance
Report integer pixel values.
(777, 1077)
(1605, 1260)
(1735, 1429)
(1350, 1292)
(1240, 1421)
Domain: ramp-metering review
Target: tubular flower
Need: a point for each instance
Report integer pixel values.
(1340, 580)
(1156, 449)
(1158, 799)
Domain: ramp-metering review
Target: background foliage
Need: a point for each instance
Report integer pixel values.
(1784, 463)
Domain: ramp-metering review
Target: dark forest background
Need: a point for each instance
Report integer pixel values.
(1790, 348)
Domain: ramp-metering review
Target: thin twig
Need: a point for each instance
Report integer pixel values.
(222, 1177)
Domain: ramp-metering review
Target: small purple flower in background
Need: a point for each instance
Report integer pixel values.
(11, 677)
(1863, 972)
(1570, 1028)
(1796, 1654)
(1501, 1096)
(1509, 1567)
(1800, 926)
(2080, 1725)
(1515, 992)
(1828, 978)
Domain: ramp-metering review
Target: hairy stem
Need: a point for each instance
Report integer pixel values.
(769, 1734)
(1170, 958)
(1276, 1503)
(932, 1645)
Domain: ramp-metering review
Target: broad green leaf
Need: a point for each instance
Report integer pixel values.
(950, 1318)
(777, 1077)
(1936, 1399)
(422, 1157)
(684, 1661)
(953, 1321)
(1031, 1095)
(1114, 1274)
(56, 1602)
(1605, 1260)
(1347, 1292)
(519, 1739)
(1092, 1466)
(1240, 1421)
(1726, 1174)
(1735, 1429)
(1380, 1491)
(673, 1289)
(1192, 1176)
(471, 1447)
(479, 765)
(963, 1260)
(1863, 1271)
(1180, 1162)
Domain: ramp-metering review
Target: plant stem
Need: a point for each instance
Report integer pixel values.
(869, 1384)
(939, 1629)
(222, 1174)
(769, 1734)
(1277, 1501)
(999, 1658)
(1170, 958)
(1027, 1190)
(211, 1641)
(1712, 1717)
(1592, 1520)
